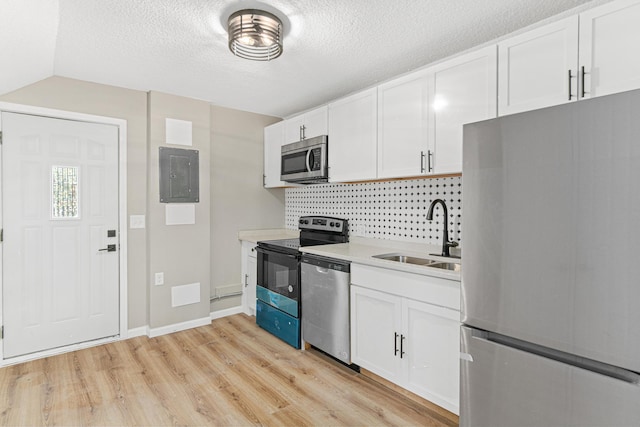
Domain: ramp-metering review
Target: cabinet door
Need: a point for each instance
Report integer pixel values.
(609, 38)
(464, 90)
(534, 68)
(307, 125)
(249, 268)
(402, 126)
(273, 140)
(375, 332)
(432, 352)
(315, 122)
(353, 126)
(293, 129)
(250, 284)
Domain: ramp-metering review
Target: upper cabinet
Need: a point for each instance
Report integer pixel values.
(353, 129)
(402, 126)
(273, 141)
(609, 36)
(538, 68)
(462, 90)
(307, 125)
(420, 116)
(579, 57)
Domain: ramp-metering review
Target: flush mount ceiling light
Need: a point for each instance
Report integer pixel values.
(255, 34)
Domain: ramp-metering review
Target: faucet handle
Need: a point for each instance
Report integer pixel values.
(452, 244)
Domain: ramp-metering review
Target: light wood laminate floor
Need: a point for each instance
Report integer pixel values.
(229, 373)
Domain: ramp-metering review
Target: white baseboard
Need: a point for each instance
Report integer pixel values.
(226, 312)
(138, 332)
(163, 330)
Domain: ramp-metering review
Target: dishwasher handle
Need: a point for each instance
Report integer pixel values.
(325, 263)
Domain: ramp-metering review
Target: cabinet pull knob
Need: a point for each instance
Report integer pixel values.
(395, 343)
(402, 337)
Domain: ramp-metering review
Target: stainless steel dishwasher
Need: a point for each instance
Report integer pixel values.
(324, 293)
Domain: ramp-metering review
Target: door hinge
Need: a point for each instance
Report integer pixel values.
(0, 137)
(1, 235)
(2, 332)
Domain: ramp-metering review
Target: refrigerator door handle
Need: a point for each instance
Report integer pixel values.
(611, 371)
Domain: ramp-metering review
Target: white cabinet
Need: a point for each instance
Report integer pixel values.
(432, 352)
(249, 268)
(402, 126)
(420, 116)
(273, 141)
(307, 125)
(535, 68)
(375, 327)
(353, 127)
(408, 334)
(579, 57)
(609, 37)
(462, 90)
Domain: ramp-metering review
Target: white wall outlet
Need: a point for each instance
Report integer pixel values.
(136, 221)
(159, 279)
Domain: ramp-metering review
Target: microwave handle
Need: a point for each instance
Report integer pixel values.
(309, 153)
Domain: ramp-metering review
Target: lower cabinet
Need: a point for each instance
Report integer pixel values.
(249, 268)
(411, 343)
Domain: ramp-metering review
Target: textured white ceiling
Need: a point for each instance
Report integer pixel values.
(331, 47)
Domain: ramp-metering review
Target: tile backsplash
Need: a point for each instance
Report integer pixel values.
(393, 210)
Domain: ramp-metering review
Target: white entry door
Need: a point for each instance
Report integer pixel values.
(60, 262)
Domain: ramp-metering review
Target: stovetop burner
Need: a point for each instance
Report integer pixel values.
(314, 230)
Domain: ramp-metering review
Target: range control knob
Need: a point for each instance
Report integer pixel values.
(331, 224)
(337, 224)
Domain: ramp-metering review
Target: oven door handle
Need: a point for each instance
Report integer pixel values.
(263, 251)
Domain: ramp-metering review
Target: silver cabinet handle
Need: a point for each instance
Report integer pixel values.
(402, 337)
(429, 161)
(246, 280)
(422, 156)
(582, 73)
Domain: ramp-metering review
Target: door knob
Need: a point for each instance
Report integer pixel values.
(109, 248)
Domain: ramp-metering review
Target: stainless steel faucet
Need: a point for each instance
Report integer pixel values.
(446, 244)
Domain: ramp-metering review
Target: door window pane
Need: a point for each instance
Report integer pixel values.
(64, 192)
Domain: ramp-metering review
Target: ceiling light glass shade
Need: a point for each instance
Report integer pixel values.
(255, 34)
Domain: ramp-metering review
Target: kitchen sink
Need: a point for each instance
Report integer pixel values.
(407, 259)
(451, 266)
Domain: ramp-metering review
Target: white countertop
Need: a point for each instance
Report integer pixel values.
(267, 234)
(361, 250)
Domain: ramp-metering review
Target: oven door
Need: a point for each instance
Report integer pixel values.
(279, 272)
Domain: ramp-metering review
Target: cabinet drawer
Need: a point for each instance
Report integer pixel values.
(432, 290)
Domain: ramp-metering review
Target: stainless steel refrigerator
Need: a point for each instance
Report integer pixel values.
(551, 277)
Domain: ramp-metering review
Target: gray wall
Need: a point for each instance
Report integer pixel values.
(180, 252)
(232, 197)
(238, 200)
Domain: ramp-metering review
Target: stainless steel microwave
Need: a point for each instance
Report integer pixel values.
(305, 161)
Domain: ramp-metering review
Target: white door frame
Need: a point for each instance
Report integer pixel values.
(122, 221)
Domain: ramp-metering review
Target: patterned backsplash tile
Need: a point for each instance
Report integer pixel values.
(393, 210)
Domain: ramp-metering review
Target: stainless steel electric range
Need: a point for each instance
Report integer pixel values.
(278, 306)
